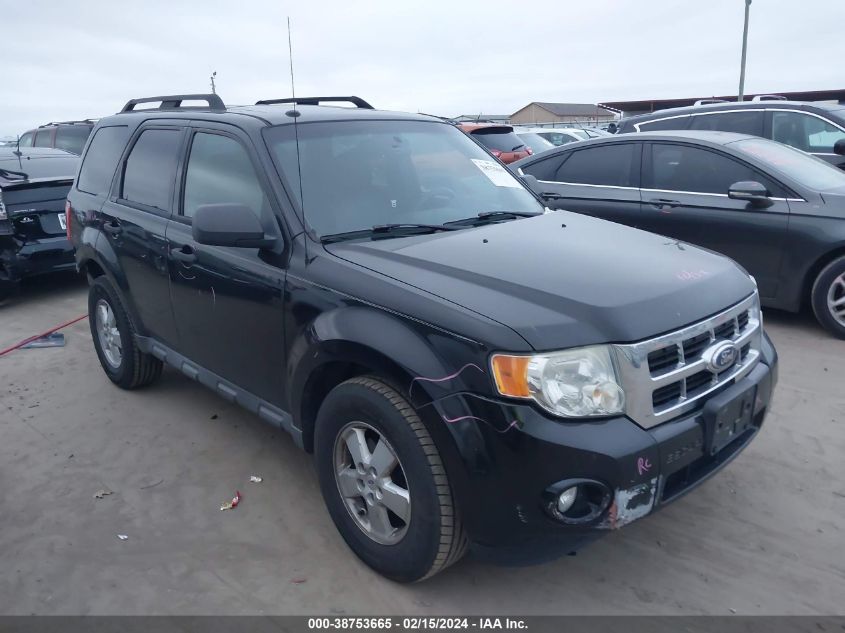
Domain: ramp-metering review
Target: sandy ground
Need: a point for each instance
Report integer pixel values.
(763, 537)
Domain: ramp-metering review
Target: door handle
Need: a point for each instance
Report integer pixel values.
(185, 254)
(664, 202)
(113, 228)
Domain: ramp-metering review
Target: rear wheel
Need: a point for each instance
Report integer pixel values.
(384, 483)
(114, 339)
(828, 297)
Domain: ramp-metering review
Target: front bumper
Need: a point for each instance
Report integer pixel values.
(506, 461)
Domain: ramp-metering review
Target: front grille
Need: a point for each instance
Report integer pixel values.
(666, 376)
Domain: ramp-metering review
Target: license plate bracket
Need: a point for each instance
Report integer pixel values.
(727, 416)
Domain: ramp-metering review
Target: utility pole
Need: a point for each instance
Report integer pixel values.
(214, 74)
(744, 49)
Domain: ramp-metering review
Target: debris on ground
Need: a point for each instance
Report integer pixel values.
(230, 505)
(256, 479)
(101, 493)
(298, 581)
(122, 537)
(151, 485)
(54, 339)
(214, 416)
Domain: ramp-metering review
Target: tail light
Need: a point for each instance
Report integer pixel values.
(68, 213)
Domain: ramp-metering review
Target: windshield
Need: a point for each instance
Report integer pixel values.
(807, 170)
(536, 142)
(358, 174)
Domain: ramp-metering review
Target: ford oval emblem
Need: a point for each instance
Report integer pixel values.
(720, 356)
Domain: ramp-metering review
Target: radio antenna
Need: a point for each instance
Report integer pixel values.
(290, 56)
(294, 114)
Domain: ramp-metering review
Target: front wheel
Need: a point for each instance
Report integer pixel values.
(384, 483)
(828, 297)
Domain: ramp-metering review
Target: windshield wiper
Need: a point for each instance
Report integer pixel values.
(387, 230)
(518, 146)
(486, 217)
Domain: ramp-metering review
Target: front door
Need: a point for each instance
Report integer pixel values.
(685, 197)
(228, 302)
(808, 132)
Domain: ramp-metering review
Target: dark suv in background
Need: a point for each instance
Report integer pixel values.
(67, 135)
(468, 370)
(811, 127)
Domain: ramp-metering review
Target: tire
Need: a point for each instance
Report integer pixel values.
(830, 285)
(133, 368)
(432, 538)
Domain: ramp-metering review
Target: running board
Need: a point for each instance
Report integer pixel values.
(231, 392)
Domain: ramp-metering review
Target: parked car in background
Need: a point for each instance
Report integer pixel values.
(500, 140)
(468, 370)
(534, 141)
(814, 128)
(34, 183)
(777, 211)
(67, 135)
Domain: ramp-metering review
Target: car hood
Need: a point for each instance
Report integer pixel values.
(562, 279)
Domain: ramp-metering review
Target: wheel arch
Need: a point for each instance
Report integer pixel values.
(814, 270)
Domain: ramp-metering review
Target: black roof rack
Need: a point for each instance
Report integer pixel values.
(356, 101)
(80, 121)
(173, 102)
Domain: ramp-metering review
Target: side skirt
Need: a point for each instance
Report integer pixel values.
(231, 392)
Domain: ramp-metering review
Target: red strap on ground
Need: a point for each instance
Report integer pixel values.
(37, 336)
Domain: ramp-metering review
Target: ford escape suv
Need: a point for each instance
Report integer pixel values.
(468, 370)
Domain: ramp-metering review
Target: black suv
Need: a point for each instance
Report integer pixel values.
(811, 127)
(467, 369)
(67, 135)
(33, 240)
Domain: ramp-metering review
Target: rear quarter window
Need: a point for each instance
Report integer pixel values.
(673, 123)
(71, 138)
(101, 159)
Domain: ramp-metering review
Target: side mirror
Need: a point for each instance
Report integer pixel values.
(839, 147)
(228, 224)
(750, 191)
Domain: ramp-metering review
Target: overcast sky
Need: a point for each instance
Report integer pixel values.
(64, 60)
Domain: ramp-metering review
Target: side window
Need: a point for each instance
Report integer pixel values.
(44, 138)
(71, 138)
(745, 122)
(547, 168)
(219, 170)
(151, 168)
(101, 159)
(675, 123)
(697, 170)
(602, 165)
(26, 139)
(805, 132)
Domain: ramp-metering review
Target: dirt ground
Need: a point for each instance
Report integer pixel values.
(765, 536)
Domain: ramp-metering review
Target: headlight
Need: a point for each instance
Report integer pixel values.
(574, 383)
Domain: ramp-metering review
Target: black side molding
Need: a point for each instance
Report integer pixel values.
(356, 101)
(173, 102)
(231, 392)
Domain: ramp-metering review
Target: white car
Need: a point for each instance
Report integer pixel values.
(563, 135)
(532, 140)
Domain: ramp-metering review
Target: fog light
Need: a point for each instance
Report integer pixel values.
(566, 499)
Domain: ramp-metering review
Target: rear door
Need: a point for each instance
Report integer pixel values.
(135, 218)
(228, 301)
(598, 180)
(685, 197)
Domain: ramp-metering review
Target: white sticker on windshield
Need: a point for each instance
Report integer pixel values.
(497, 174)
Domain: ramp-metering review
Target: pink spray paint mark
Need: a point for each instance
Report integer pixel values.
(444, 379)
(643, 465)
(472, 417)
